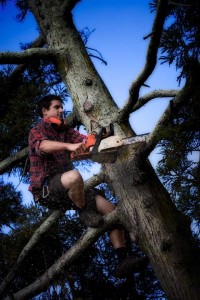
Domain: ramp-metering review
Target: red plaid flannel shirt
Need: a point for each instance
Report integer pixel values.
(44, 166)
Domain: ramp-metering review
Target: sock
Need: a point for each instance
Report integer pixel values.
(122, 253)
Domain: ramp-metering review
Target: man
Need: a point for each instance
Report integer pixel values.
(56, 184)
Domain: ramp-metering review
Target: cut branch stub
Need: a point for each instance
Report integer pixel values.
(88, 106)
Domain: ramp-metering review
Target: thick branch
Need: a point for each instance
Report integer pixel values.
(27, 56)
(66, 259)
(154, 137)
(12, 160)
(39, 42)
(152, 95)
(151, 60)
(95, 180)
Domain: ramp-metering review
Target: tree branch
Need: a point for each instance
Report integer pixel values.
(95, 180)
(27, 56)
(151, 60)
(12, 160)
(179, 4)
(32, 242)
(152, 95)
(66, 259)
(99, 56)
(174, 105)
(39, 42)
(68, 6)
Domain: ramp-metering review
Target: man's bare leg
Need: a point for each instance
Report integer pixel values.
(127, 262)
(73, 182)
(105, 207)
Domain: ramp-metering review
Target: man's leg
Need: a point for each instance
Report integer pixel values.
(105, 207)
(127, 262)
(73, 183)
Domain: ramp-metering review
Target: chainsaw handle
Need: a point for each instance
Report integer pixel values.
(84, 151)
(92, 140)
(99, 137)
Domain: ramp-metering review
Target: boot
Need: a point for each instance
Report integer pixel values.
(89, 216)
(91, 219)
(131, 263)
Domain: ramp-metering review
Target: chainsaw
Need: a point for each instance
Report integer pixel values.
(104, 146)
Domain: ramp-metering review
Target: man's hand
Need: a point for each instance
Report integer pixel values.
(80, 150)
(75, 147)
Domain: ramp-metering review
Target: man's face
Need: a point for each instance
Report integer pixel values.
(55, 110)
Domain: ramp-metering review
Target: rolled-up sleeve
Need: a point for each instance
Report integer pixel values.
(35, 138)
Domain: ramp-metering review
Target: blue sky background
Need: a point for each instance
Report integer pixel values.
(119, 30)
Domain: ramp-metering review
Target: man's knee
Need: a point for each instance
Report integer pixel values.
(103, 205)
(71, 178)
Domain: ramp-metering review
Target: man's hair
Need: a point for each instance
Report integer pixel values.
(45, 102)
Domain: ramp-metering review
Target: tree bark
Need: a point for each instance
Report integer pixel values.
(145, 206)
(155, 224)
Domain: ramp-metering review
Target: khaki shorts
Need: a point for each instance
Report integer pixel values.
(55, 196)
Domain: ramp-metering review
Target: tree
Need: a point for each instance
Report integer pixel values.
(145, 207)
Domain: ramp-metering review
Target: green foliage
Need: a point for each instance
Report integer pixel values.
(180, 42)
(20, 90)
(179, 166)
(10, 206)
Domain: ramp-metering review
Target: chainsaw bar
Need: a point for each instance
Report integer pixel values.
(113, 143)
(135, 139)
(110, 146)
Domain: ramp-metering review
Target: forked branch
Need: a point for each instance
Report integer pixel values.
(44, 227)
(151, 60)
(66, 259)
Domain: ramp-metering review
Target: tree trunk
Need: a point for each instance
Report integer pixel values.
(146, 208)
(155, 224)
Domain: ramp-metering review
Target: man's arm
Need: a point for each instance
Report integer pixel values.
(47, 146)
